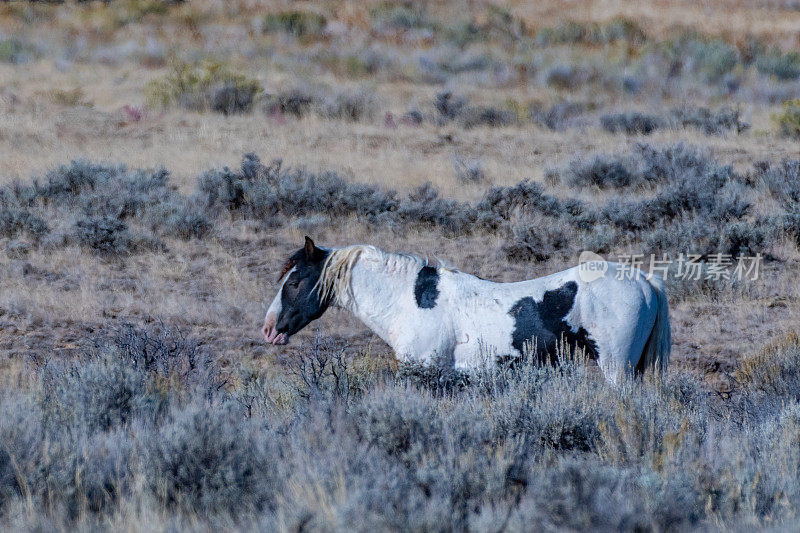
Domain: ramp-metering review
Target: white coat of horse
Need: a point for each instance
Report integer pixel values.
(616, 314)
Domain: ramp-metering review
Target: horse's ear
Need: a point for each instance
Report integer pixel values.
(310, 248)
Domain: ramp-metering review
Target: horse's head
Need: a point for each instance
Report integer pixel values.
(297, 302)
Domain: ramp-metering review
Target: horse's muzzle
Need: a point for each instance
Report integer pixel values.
(270, 331)
(273, 337)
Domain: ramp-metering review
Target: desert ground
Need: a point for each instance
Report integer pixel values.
(160, 161)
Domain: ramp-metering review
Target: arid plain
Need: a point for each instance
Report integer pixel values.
(500, 138)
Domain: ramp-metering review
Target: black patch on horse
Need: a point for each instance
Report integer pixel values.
(545, 322)
(426, 288)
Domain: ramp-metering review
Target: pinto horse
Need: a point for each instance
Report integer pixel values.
(424, 311)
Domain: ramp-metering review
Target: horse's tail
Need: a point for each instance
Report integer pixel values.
(656, 351)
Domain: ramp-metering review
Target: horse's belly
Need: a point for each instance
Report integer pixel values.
(482, 345)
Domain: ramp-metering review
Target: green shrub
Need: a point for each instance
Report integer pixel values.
(499, 23)
(501, 19)
(179, 219)
(630, 123)
(105, 235)
(212, 459)
(400, 15)
(102, 393)
(70, 97)
(559, 116)
(714, 58)
(711, 58)
(592, 33)
(15, 51)
(204, 85)
(622, 28)
(717, 122)
(297, 23)
(14, 222)
(465, 32)
(788, 120)
(782, 66)
(567, 77)
(131, 11)
(566, 32)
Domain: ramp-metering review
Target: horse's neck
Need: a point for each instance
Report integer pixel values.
(377, 295)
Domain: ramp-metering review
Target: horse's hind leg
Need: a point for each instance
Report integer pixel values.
(626, 350)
